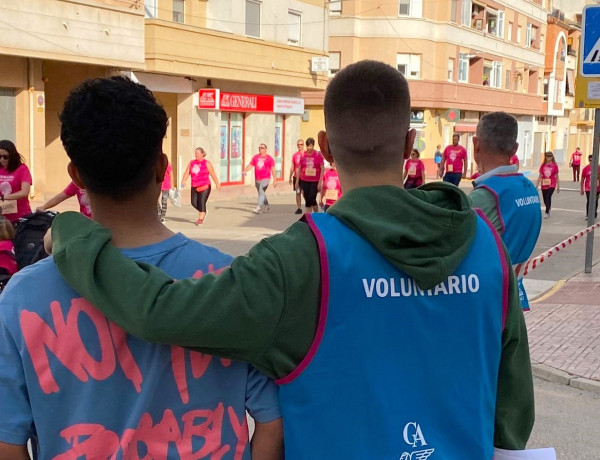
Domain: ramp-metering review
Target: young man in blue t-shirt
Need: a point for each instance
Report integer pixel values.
(73, 382)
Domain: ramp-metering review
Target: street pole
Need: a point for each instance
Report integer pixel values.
(591, 212)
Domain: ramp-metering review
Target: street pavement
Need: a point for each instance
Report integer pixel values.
(564, 321)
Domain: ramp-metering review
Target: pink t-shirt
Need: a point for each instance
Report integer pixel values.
(311, 166)
(454, 158)
(82, 197)
(11, 182)
(414, 168)
(332, 190)
(576, 158)
(262, 166)
(166, 185)
(548, 173)
(7, 261)
(296, 157)
(199, 173)
(586, 177)
(514, 160)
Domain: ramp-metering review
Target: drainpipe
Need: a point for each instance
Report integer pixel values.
(31, 87)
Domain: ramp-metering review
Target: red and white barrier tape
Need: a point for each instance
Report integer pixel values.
(532, 264)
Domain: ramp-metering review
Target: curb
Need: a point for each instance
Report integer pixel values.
(551, 374)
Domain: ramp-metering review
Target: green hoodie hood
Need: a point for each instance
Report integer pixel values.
(425, 232)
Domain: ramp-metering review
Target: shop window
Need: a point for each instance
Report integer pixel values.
(463, 68)
(294, 28)
(232, 139)
(335, 7)
(278, 144)
(150, 8)
(253, 18)
(409, 65)
(334, 62)
(178, 11)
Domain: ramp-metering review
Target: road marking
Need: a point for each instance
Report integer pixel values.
(555, 288)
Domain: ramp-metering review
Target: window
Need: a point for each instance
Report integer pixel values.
(451, 69)
(409, 65)
(519, 35)
(295, 28)
(178, 10)
(150, 8)
(463, 67)
(507, 80)
(546, 87)
(491, 25)
(534, 36)
(465, 13)
(500, 29)
(412, 8)
(528, 38)
(496, 75)
(335, 7)
(510, 26)
(453, 10)
(253, 18)
(334, 62)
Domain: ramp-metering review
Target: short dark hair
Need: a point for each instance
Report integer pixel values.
(310, 141)
(14, 157)
(498, 132)
(367, 116)
(112, 130)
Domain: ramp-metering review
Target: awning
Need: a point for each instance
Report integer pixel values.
(465, 127)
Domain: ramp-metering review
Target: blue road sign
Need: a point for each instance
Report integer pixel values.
(590, 38)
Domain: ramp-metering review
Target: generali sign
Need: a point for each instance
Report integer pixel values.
(215, 99)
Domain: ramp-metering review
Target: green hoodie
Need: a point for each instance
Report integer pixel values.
(264, 308)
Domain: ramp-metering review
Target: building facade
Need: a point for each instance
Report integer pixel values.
(247, 51)
(462, 58)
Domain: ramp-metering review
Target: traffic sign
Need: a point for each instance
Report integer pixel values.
(590, 39)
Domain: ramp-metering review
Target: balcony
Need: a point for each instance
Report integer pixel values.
(108, 33)
(180, 49)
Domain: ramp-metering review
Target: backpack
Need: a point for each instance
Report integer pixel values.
(29, 237)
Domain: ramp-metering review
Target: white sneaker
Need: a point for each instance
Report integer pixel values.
(256, 210)
(546, 215)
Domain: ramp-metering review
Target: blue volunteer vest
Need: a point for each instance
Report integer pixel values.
(518, 205)
(396, 372)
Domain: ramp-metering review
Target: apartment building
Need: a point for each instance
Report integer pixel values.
(228, 72)
(462, 58)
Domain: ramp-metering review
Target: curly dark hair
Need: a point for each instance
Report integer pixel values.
(112, 130)
(14, 157)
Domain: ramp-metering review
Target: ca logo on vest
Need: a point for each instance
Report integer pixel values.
(413, 436)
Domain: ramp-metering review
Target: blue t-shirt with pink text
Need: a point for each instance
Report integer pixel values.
(80, 387)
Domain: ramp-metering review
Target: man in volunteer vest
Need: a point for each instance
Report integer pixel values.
(509, 200)
(389, 339)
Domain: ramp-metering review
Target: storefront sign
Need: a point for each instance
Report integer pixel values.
(291, 105)
(214, 99)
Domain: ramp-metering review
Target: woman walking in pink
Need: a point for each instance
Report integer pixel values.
(264, 167)
(15, 180)
(201, 171)
(414, 171)
(549, 180)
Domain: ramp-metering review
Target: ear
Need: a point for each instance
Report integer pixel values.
(476, 149)
(516, 148)
(74, 173)
(161, 166)
(324, 146)
(410, 141)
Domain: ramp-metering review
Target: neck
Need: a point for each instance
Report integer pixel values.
(369, 179)
(490, 162)
(133, 223)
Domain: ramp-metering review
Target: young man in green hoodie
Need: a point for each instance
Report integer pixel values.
(447, 370)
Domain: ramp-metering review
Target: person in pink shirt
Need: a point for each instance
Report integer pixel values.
(454, 162)
(332, 189)
(585, 185)
(8, 262)
(514, 160)
(575, 163)
(414, 171)
(295, 163)
(309, 174)
(549, 180)
(201, 170)
(164, 192)
(15, 180)
(264, 168)
(71, 190)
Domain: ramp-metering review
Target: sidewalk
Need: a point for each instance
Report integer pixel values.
(564, 332)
